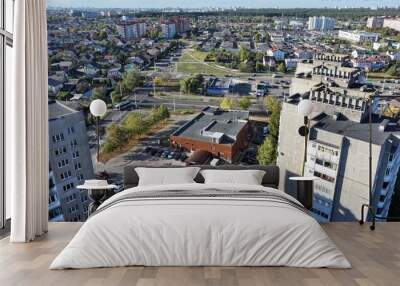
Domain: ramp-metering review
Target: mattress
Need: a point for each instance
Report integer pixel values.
(201, 225)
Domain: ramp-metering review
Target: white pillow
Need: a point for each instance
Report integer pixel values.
(245, 177)
(166, 176)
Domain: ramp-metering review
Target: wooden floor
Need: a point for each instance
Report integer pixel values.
(375, 257)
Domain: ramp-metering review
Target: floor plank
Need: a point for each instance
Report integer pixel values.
(375, 257)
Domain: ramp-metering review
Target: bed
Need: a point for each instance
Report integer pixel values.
(201, 224)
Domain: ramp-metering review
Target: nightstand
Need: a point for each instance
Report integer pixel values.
(98, 191)
(305, 190)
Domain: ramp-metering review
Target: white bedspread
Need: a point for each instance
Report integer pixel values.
(200, 231)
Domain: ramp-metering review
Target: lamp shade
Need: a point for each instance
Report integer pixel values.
(305, 107)
(98, 108)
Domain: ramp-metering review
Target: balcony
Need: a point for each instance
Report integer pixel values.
(54, 204)
(59, 218)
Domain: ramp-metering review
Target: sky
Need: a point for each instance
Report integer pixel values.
(222, 3)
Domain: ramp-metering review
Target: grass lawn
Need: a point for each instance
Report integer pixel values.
(192, 62)
(190, 97)
(381, 75)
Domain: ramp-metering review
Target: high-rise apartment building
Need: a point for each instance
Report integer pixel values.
(70, 163)
(168, 29)
(321, 23)
(375, 22)
(181, 24)
(338, 145)
(131, 29)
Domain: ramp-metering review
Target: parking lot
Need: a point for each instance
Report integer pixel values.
(153, 151)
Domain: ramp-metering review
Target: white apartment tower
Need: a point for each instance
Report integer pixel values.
(70, 163)
(321, 23)
(131, 29)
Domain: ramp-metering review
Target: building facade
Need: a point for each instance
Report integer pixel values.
(181, 25)
(168, 29)
(131, 29)
(358, 36)
(321, 23)
(70, 163)
(338, 148)
(222, 133)
(375, 22)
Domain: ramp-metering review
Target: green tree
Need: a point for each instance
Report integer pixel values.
(244, 103)
(282, 68)
(116, 97)
(134, 124)
(268, 151)
(259, 67)
(246, 67)
(99, 93)
(244, 54)
(228, 103)
(258, 37)
(130, 80)
(116, 136)
(259, 57)
(192, 84)
(63, 95)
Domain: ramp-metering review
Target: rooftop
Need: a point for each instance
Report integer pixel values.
(215, 124)
(58, 110)
(382, 129)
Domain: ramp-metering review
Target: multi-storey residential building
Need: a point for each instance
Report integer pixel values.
(375, 22)
(329, 71)
(131, 29)
(358, 36)
(321, 23)
(338, 156)
(392, 23)
(338, 145)
(181, 24)
(70, 163)
(168, 29)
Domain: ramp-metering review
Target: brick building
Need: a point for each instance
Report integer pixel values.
(222, 133)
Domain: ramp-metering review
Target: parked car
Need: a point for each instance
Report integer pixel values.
(183, 157)
(164, 154)
(158, 153)
(177, 155)
(171, 155)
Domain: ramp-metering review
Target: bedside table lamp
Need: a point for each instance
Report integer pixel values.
(97, 191)
(98, 108)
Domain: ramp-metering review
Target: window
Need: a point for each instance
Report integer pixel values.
(6, 43)
(61, 150)
(78, 166)
(324, 177)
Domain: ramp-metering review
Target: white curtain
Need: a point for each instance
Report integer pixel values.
(27, 124)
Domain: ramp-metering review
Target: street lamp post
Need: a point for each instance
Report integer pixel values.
(305, 108)
(370, 208)
(98, 108)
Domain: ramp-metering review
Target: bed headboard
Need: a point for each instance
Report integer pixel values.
(271, 178)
